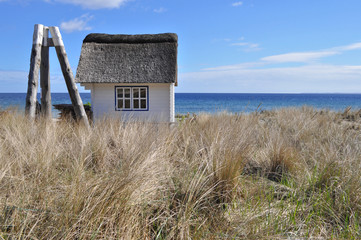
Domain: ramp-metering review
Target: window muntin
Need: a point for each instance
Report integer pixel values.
(132, 98)
(139, 98)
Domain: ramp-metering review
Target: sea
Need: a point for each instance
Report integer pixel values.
(219, 102)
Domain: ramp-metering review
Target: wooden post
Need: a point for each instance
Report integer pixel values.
(45, 77)
(68, 76)
(31, 96)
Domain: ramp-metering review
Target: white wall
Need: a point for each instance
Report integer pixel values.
(161, 102)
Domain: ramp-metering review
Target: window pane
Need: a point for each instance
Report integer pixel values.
(143, 104)
(120, 103)
(136, 104)
(136, 92)
(127, 104)
(120, 92)
(127, 92)
(143, 92)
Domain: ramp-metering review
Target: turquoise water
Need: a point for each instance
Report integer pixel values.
(216, 102)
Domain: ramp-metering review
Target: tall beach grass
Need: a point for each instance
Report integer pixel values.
(284, 174)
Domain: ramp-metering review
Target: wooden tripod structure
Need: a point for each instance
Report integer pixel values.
(40, 61)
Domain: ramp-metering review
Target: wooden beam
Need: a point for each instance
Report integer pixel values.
(45, 77)
(68, 76)
(31, 96)
(49, 42)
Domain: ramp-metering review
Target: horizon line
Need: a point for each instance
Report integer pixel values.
(227, 92)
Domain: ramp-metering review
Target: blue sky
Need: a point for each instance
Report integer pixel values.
(248, 46)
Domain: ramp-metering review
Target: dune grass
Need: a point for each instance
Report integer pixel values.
(284, 174)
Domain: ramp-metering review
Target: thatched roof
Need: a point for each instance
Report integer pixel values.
(148, 58)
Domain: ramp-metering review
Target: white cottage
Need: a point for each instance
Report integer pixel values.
(130, 76)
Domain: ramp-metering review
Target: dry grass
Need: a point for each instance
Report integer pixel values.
(285, 174)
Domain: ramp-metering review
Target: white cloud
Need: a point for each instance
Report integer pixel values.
(236, 66)
(77, 24)
(309, 78)
(237, 4)
(306, 57)
(261, 76)
(240, 44)
(298, 56)
(247, 46)
(13, 75)
(17, 81)
(353, 46)
(95, 4)
(160, 10)
(13, 81)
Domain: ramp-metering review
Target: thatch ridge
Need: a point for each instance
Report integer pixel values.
(123, 38)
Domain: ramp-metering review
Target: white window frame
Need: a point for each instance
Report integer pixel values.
(132, 98)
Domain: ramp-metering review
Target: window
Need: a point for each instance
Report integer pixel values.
(131, 98)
